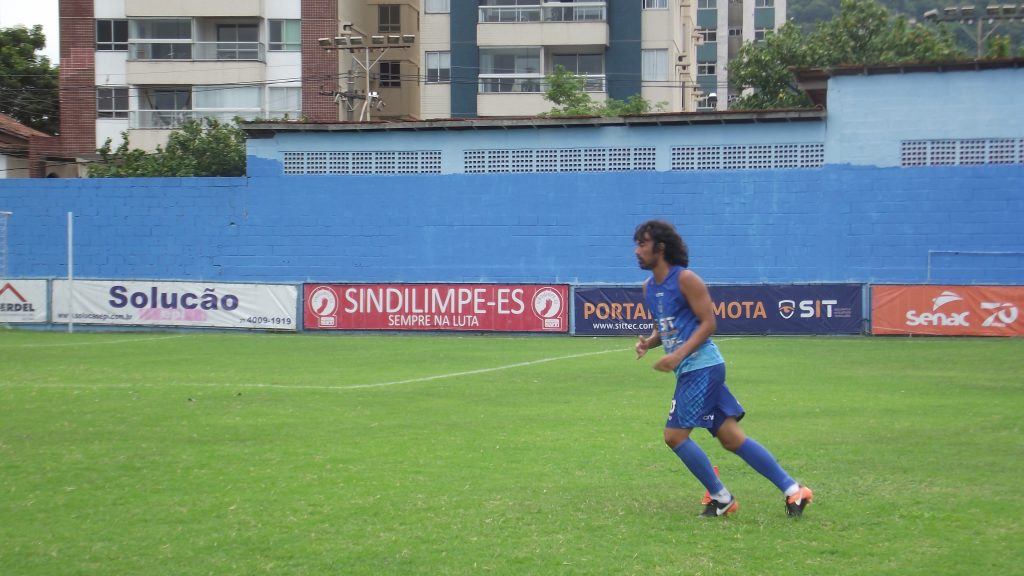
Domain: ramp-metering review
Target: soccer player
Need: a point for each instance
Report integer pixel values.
(684, 321)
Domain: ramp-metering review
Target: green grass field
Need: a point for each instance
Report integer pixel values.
(234, 454)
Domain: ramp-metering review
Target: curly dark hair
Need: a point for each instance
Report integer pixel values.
(664, 234)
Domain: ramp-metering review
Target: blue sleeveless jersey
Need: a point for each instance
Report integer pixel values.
(676, 321)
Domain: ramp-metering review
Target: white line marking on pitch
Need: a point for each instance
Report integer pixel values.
(121, 341)
(353, 387)
(479, 371)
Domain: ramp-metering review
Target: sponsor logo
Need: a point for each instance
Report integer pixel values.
(21, 305)
(158, 298)
(734, 309)
(936, 318)
(1003, 315)
(547, 303)
(807, 308)
(998, 314)
(945, 298)
(324, 303)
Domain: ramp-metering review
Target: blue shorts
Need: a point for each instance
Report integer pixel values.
(702, 400)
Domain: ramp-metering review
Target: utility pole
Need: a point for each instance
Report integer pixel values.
(360, 46)
(974, 19)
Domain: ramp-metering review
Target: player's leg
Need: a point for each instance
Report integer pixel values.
(688, 412)
(732, 437)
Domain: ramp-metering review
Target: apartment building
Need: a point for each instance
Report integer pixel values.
(487, 58)
(146, 66)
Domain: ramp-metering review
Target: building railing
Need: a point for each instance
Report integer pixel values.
(212, 51)
(530, 83)
(174, 119)
(547, 12)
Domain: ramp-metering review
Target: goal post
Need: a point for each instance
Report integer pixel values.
(4, 219)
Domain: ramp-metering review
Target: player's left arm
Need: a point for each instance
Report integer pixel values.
(696, 292)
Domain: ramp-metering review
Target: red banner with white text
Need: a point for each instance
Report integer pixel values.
(457, 307)
(947, 310)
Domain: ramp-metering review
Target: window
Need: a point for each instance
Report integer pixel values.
(706, 4)
(164, 107)
(389, 18)
(390, 74)
(161, 39)
(284, 102)
(437, 7)
(709, 35)
(589, 65)
(655, 4)
(735, 32)
(760, 33)
(764, 3)
(705, 68)
(238, 42)
(285, 36)
(510, 69)
(655, 65)
(111, 35)
(234, 98)
(439, 67)
(112, 102)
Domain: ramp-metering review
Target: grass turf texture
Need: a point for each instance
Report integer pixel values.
(246, 454)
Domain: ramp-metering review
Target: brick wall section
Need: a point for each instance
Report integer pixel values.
(835, 224)
(77, 77)
(319, 66)
(77, 89)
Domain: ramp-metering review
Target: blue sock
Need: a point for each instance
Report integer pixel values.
(697, 461)
(760, 459)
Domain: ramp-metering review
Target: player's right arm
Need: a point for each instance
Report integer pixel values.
(652, 341)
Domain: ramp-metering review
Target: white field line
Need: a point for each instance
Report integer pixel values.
(323, 387)
(352, 387)
(100, 343)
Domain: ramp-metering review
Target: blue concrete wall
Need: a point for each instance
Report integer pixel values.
(834, 224)
(868, 116)
(266, 156)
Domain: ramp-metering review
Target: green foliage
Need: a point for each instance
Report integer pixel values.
(28, 84)
(862, 33)
(807, 14)
(197, 149)
(567, 92)
(764, 68)
(999, 47)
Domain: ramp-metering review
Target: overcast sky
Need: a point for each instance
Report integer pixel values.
(29, 12)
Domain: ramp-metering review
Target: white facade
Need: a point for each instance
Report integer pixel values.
(159, 63)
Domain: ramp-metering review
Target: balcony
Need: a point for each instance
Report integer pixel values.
(192, 8)
(547, 24)
(548, 12)
(173, 119)
(530, 83)
(196, 51)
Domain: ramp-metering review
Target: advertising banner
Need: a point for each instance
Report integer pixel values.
(739, 309)
(947, 310)
(472, 307)
(187, 304)
(23, 301)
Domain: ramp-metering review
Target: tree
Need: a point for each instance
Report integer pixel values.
(28, 84)
(862, 33)
(567, 92)
(209, 148)
(764, 68)
(999, 47)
